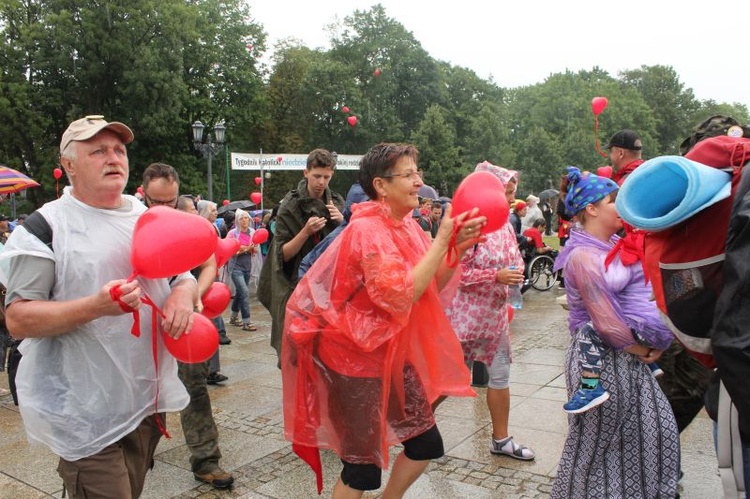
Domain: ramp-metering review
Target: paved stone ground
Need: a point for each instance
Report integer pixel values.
(248, 411)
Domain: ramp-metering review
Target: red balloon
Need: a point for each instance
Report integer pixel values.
(260, 236)
(256, 197)
(377, 72)
(225, 202)
(345, 109)
(352, 120)
(225, 249)
(167, 242)
(483, 190)
(604, 171)
(215, 299)
(280, 159)
(258, 180)
(196, 345)
(511, 313)
(139, 190)
(256, 220)
(598, 104)
(57, 173)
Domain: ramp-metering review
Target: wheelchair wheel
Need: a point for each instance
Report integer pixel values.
(541, 275)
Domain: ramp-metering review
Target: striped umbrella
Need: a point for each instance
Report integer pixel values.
(12, 181)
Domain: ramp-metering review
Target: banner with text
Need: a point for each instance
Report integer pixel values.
(277, 162)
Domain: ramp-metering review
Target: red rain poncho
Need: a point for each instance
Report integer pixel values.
(361, 363)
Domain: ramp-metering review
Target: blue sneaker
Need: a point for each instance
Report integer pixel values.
(583, 400)
(656, 371)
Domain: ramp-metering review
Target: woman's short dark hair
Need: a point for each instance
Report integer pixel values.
(381, 158)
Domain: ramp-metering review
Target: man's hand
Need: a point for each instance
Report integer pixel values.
(129, 295)
(336, 215)
(313, 225)
(178, 309)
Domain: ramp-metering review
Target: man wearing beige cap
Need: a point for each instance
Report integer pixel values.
(88, 388)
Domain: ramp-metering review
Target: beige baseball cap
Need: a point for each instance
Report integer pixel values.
(87, 127)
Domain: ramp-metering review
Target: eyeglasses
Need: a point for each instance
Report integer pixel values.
(172, 203)
(406, 175)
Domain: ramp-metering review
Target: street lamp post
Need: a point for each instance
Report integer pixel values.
(209, 149)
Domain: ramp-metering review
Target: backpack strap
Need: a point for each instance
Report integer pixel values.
(37, 225)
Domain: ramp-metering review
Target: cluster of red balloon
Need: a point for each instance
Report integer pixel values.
(352, 120)
(167, 242)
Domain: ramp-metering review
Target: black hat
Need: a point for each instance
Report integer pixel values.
(4, 218)
(626, 139)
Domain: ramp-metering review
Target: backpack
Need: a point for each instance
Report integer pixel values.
(712, 127)
(685, 262)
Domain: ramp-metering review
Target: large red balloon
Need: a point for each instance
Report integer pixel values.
(483, 190)
(258, 180)
(215, 299)
(57, 173)
(196, 345)
(260, 236)
(167, 242)
(352, 120)
(256, 197)
(598, 104)
(226, 249)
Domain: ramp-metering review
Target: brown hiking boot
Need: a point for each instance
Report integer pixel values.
(218, 478)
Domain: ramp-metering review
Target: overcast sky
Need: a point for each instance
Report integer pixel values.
(523, 42)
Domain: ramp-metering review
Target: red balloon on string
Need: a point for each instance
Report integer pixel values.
(215, 300)
(225, 202)
(258, 180)
(604, 171)
(377, 72)
(352, 120)
(225, 249)
(280, 159)
(511, 313)
(57, 173)
(482, 190)
(598, 104)
(345, 109)
(196, 345)
(260, 236)
(256, 197)
(256, 220)
(167, 242)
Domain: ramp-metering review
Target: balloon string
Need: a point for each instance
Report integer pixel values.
(596, 135)
(451, 259)
(57, 188)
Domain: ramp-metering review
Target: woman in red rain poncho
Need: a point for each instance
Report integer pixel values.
(367, 347)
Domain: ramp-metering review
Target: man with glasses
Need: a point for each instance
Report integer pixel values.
(161, 187)
(306, 215)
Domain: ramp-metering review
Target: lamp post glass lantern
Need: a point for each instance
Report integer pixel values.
(209, 149)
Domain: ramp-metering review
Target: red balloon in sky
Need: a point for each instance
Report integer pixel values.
(345, 109)
(260, 236)
(256, 197)
(167, 242)
(258, 180)
(482, 190)
(215, 299)
(225, 249)
(352, 120)
(225, 202)
(196, 345)
(57, 173)
(598, 104)
(377, 72)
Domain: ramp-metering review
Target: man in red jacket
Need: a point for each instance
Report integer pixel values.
(625, 154)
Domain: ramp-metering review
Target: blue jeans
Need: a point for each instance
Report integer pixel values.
(241, 278)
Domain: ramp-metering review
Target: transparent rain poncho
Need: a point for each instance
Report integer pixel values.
(361, 363)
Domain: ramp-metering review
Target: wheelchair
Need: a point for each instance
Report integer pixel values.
(538, 268)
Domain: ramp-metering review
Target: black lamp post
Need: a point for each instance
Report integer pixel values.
(209, 149)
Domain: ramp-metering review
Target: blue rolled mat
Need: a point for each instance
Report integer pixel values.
(668, 190)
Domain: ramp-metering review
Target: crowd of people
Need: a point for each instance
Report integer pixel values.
(372, 324)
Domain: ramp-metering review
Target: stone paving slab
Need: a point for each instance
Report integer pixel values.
(248, 412)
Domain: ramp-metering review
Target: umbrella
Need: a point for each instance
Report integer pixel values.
(12, 181)
(427, 192)
(548, 194)
(243, 204)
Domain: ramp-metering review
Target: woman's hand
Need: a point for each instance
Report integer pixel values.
(651, 356)
(511, 277)
(468, 235)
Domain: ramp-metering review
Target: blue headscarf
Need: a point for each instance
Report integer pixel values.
(585, 188)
